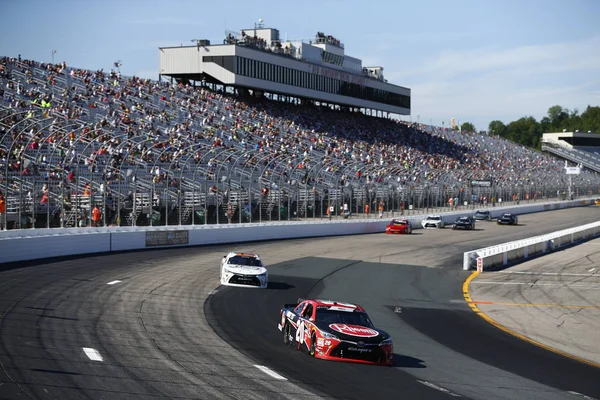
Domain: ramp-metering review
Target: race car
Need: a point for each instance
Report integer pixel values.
(483, 215)
(243, 270)
(597, 202)
(335, 331)
(508, 219)
(433, 221)
(399, 226)
(464, 223)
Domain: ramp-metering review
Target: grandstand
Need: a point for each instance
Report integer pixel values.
(158, 153)
(576, 147)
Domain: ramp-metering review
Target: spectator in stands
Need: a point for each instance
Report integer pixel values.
(96, 216)
(2, 213)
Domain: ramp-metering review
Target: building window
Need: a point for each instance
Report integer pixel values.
(293, 77)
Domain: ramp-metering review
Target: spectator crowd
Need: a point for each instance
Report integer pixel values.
(60, 123)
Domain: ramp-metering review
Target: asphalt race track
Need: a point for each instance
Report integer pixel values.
(150, 333)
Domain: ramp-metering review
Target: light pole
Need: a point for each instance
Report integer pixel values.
(53, 53)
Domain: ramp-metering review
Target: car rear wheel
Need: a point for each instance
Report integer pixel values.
(313, 344)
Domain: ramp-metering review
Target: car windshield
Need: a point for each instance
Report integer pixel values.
(343, 317)
(398, 222)
(464, 219)
(249, 261)
(506, 215)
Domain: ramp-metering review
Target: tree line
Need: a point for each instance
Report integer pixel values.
(528, 132)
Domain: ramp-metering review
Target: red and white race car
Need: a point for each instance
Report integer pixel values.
(399, 226)
(336, 331)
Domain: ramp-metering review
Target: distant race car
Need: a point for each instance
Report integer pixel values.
(335, 331)
(464, 223)
(399, 226)
(597, 202)
(243, 270)
(433, 221)
(508, 219)
(483, 215)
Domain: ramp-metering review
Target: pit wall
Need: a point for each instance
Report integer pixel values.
(31, 244)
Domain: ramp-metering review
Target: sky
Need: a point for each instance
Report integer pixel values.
(471, 60)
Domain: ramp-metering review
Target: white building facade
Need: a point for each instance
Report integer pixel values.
(257, 60)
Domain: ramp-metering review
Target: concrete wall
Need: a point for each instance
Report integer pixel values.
(19, 245)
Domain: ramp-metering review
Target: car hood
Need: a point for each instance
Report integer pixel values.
(354, 333)
(245, 269)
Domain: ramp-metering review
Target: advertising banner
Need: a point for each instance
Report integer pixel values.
(167, 238)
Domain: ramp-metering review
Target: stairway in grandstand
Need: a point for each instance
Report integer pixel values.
(588, 157)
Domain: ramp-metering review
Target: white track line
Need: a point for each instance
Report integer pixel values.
(545, 273)
(113, 282)
(93, 354)
(581, 395)
(567, 285)
(441, 389)
(270, 373)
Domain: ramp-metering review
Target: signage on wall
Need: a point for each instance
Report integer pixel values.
(167, 238)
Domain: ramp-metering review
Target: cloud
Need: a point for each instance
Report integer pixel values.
(481, 84)
(557, 57)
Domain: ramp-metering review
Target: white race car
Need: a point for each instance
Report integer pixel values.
(244, 270)
(433, 221)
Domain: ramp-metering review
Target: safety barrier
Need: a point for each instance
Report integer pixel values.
(503, 254)
(30, 244)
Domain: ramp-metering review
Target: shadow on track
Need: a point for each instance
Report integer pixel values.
(279, 286)
(403, 361)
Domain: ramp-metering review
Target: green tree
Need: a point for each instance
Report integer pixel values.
(557, 115)
(528, 132)
(467, 127)
(497, 128)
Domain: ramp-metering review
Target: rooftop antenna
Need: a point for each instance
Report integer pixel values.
(118, 65)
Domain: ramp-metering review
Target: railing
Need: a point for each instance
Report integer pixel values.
(503, 254)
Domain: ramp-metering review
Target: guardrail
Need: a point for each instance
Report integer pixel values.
(30, 244)
(511, 252)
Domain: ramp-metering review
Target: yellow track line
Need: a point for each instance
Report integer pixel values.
(503, 328)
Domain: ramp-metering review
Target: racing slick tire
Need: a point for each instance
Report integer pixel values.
(286, 334)
(313, 345)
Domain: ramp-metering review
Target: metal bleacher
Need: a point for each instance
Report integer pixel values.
(151, 153)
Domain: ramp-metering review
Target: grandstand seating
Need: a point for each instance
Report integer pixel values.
(151, 152)
(588, 157)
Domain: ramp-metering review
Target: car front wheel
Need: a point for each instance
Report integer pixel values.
(313, 344)
(286, 334)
